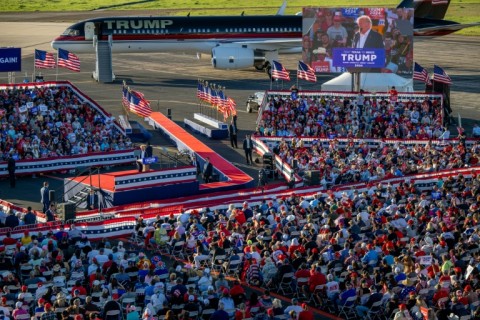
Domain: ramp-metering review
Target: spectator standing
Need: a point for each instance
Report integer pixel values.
(248, 147)
(232, 131)
(44, 194)
(30, 217)
(50, 213)
(11, 170)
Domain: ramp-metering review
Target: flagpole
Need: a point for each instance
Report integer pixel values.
(34, 69)
(56, 75)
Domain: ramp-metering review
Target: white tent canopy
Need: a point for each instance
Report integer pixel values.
(372, 82)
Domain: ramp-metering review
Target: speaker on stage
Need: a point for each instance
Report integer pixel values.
(68, 210)
(51, 195)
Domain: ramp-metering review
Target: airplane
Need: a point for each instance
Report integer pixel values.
(234, 42)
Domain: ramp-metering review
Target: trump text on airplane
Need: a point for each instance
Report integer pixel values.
(138, 24)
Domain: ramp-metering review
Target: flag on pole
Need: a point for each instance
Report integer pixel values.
(420, 73)
(135, 102)
(125, 97)
(68, 60)
(279, 72)
(440, 75)
(232, 106)
(200, 91)
(44, 59)
(306, 72)
(139, 105)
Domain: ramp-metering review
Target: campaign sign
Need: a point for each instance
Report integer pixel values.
(150, 160)
(10, 59)
(426, 260)
(358, 58)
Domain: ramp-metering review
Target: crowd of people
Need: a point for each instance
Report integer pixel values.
(351, 162)
(358, 117)
(43, 122)
(397, 252)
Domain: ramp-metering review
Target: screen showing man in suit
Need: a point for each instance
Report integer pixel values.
(360, 39)
(366, 37)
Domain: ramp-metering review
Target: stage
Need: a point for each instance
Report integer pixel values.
(123, 187)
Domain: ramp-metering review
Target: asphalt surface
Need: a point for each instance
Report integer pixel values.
(169, 82)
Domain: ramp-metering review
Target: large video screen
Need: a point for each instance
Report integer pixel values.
(337, 40)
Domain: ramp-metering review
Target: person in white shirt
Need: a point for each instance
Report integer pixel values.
(332, 288)
(295, 307)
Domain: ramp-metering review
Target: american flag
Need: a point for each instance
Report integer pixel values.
(200, 91)
(306, 72)
(136, 103)
(279, 72)
(44, 59)
(126, 97)
(440, 75)
(232, 106)
(68, 60)
(221, 101)
(139, 105)
(420, 73)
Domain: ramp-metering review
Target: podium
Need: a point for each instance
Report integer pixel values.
(146, 162)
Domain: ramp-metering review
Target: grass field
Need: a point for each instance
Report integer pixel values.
(463, 11)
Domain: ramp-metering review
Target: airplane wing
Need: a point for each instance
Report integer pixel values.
(443, 29)
(266, 45)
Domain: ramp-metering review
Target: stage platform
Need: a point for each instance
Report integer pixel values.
(231, 177)
(123, 187)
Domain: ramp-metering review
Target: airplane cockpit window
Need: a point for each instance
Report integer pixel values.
(71, 32)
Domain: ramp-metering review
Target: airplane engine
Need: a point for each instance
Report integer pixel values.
(237, 58)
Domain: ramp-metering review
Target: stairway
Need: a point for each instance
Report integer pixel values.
(79, 197)
(103, 69)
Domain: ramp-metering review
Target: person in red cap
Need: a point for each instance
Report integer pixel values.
(471, 295)
(48, 314)
(403, 312)
(306, 313)
(40, 309)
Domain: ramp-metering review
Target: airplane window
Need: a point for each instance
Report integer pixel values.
(249, 29)
(254, 30)
(236, 30)
(276, 29)
(218, 30)
(71, 32)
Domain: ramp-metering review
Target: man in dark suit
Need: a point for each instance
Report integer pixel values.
(11, 170)
(45, 197)
(92, 200)
(149, 150)
(366, 37)
(207, 170)
(232, 132)
(248, 147)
